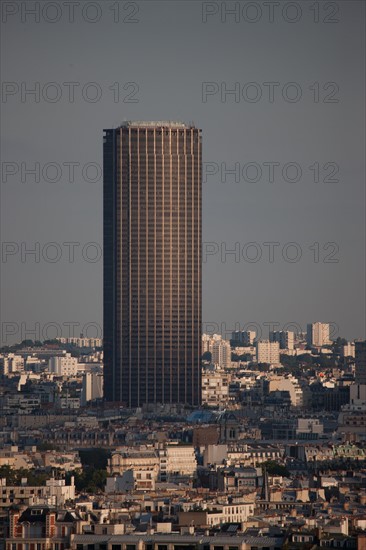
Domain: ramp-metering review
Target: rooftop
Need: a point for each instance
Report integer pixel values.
(156, 124)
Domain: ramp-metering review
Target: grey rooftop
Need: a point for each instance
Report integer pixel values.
(155, 124)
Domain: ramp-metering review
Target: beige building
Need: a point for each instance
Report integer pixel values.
(217, 514)
(349, 350)
(173, 541)
(318, 334)
(215, 387)
(82, 342)
(268, 352)
(11, 363)
(139, 458)
(168, 460)
(221, 354)
(92, 387)
(55, 492)
(251, 455)
(138, 479)
(64, 365)
(287, 383)
(177, 460)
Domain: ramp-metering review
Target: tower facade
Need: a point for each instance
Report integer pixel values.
(152, 263)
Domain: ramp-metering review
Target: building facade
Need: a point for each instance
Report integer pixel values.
(285, 338)
(221, 354)
(63, 366)
(317, 334)
(152, 263)
(268, 352)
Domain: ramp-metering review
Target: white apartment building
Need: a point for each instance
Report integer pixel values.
(34, 364)
(349, 350)
(177, 460)
(92, 387)
(63, 366)
(221, 354)
(82, 342)
(215, 387)
(55, 491)
(285, 338)
(219, 514)
(268, 352)
(219, 348)
(11, 363)
(318, 334)
(206, 338)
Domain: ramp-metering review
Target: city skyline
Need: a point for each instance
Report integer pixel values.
(191, 79)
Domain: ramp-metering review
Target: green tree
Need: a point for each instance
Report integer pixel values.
(337, 345)
(46, 446)
(27, 343)
(97, 458)
(207, 356)
(14, 477)
(276, 469)
(89, 479)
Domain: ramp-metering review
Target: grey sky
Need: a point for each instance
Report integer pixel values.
(168, 54)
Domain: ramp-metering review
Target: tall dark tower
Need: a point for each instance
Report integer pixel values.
(152, 263)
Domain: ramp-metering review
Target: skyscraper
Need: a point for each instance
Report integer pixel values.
(152, 263)
(318, 334)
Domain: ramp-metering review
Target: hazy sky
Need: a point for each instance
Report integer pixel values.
(293, 129)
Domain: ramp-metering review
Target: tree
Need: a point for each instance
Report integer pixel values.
(46, 446)
(14, 477)
(207, 356)
(275, 469)
(338, 344)
(96, 458)
(89, 479)
(27, 343)
(263, 367)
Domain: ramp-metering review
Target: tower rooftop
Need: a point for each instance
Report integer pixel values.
(156, 124)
